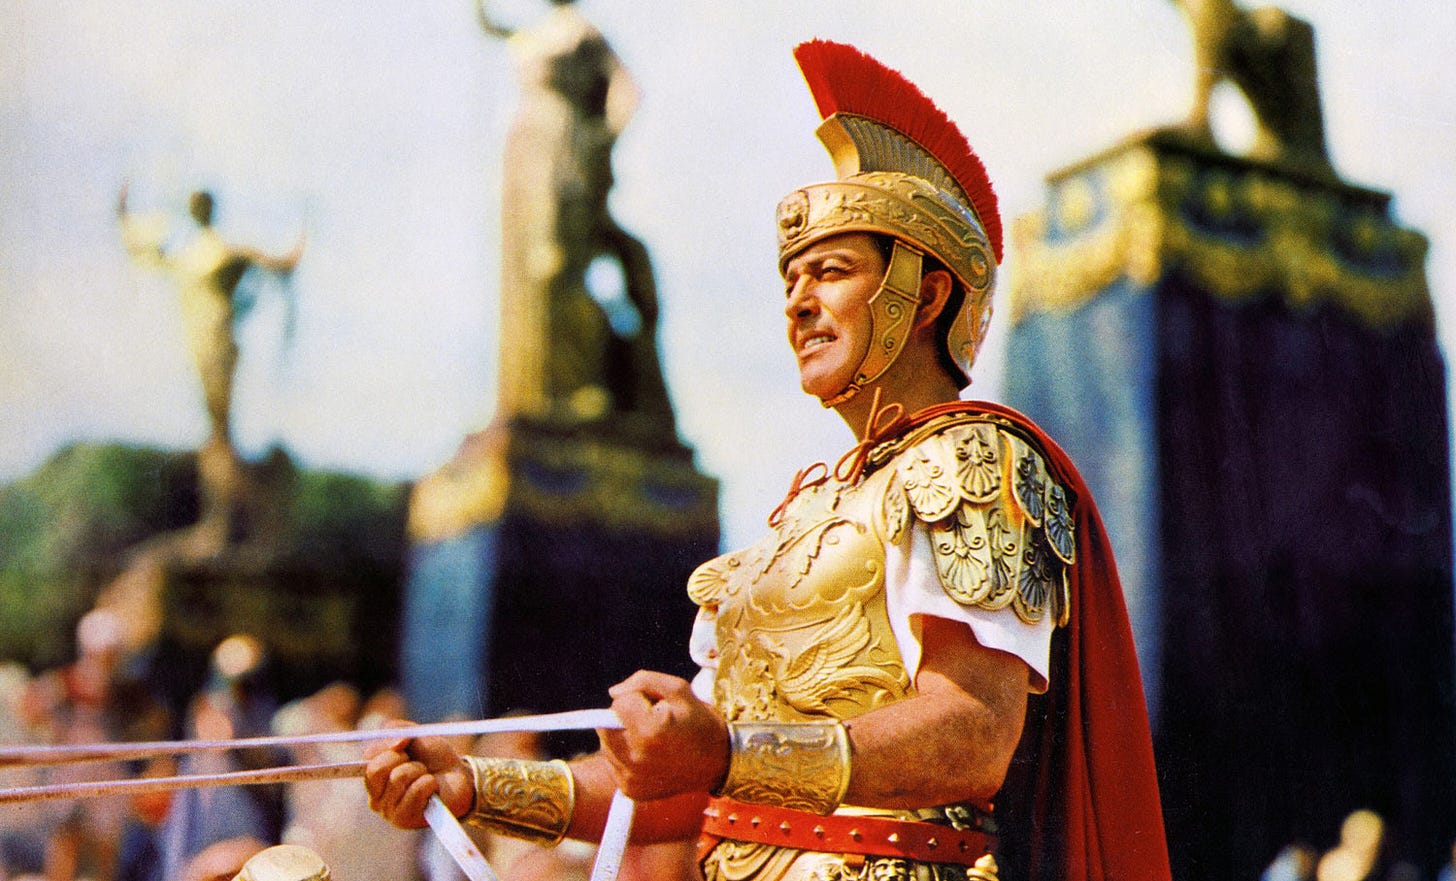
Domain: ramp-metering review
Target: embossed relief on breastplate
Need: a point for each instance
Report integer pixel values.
(1000, 527)
(802, 627)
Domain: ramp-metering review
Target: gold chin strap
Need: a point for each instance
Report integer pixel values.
(892, 316)
(799, 765)
(522, 798)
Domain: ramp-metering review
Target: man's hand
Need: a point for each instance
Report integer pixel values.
(403, 774)
(670, 742)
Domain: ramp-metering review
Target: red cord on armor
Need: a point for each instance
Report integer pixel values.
(881, 425)
(801, 483)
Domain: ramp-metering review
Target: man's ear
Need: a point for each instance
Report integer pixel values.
(935, 288)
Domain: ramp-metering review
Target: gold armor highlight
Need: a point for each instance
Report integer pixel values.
(522, 798)
(799, 765)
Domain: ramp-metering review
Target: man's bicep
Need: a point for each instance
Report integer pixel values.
(955, 665)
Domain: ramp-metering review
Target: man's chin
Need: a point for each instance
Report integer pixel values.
(819, 392)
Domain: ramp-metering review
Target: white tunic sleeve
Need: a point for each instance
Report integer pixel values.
(913, 589)
(703, 648)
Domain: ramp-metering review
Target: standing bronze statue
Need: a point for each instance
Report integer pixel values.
(561, 358)
(208, 271)
(1269, 55)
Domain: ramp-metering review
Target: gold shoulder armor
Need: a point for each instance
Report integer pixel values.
(708, 582)
(1000, 527)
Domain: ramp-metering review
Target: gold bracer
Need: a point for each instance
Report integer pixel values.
(521, 798)
(799, 765)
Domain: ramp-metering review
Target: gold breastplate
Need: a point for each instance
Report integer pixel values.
(802, 625)
(803, 632)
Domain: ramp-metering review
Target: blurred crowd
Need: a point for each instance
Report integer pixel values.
(208, 833)
(1359, 855)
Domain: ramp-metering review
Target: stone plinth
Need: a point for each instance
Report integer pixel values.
(549, 563)
(1242, 359)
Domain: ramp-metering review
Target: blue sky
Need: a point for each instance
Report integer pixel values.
(379, 127)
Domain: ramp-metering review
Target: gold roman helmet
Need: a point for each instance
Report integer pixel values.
(905, 171)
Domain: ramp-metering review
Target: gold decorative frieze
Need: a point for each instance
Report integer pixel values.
(561, 478)
(1237, 229)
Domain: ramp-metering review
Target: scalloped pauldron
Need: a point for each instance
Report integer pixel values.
(1001, 528)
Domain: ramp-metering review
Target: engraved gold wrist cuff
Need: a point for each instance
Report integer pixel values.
(798, 765)
(523, 799)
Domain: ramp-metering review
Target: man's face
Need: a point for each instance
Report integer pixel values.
(828, 287)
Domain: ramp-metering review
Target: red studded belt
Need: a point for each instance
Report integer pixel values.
(841, 833)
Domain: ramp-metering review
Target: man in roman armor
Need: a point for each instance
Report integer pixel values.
(925, 668)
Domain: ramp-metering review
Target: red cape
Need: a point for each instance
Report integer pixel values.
(1088, 807)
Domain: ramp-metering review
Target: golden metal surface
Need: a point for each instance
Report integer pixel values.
(803, 631)
(522, 798)
(802, 626)
(1240, 232)
(1000, 528)
(985, 869)
(284, 862)
(798, 765)
(892, 313)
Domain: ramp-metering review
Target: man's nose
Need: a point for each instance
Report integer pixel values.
(801, 301)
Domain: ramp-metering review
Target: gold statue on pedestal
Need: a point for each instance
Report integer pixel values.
(208, 271)
(1269, 55)
(562, 360)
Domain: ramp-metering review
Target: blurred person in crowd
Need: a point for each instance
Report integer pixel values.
(1448, 871)
(332, 817)
(1358, 855)
(235, 703)
(221, 860)
(91, 710)
(1295, 862)
(307, 803)
(28, 715)
(140, 851)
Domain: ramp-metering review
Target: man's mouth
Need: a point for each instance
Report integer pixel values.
(815, 341)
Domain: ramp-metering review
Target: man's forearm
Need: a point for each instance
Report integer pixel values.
(669, 819)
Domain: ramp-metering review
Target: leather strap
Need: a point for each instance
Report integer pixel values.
(842, 833)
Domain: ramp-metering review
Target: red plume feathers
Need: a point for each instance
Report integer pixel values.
(843, 79)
